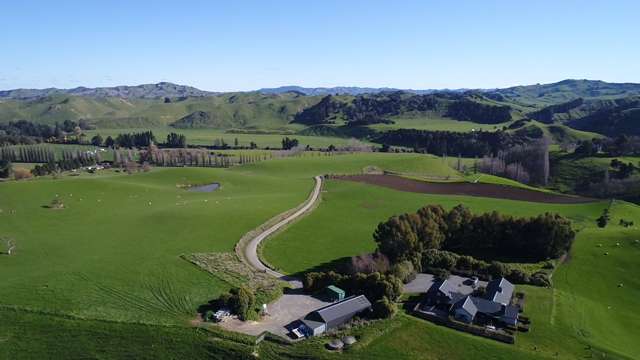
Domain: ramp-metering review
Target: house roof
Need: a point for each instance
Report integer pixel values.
(311, 324)
(487, 306)
(348, 306)
(511, 312)
(500, 290)
(443, 287)
(467, 304)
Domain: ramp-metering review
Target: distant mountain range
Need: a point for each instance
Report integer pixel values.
(146, 91)
(539, 93)
(588, 105)
(345, 90)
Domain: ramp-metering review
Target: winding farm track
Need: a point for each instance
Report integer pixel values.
(467, 189)
(250, 251)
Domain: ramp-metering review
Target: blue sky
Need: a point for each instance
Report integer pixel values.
(244, 45)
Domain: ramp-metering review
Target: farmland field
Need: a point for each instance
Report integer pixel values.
(112, 271)
(585, 314)
(207, 137)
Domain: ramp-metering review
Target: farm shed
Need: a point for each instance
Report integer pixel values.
(334, 315)
(334, 293)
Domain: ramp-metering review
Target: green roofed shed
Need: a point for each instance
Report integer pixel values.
(334, 293)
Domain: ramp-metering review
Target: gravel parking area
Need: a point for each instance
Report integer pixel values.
(288, 308)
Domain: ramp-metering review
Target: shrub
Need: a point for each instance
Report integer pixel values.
(518, 276)
(441, 274)
(209, 315)
(21, 173)
(383, 308)
(369, 263)
(540, 279)
(465, 262)
(240, 301)
(404, 271)
(497, 269)
(245, 302)
(5, 168)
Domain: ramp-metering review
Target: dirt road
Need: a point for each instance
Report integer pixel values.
(250, 252)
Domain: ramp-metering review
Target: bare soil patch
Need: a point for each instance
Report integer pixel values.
(466, 189)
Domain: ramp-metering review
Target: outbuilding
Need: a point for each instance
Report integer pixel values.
(334, 293)
(334, 315)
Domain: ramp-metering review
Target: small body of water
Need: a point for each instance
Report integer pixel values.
(205, 188)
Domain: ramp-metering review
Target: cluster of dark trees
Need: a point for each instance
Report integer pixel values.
(527, 163)
(382, 290)
(479, 143)
(131, 140)
(29, 154)
(487, 236)
(288, 144)
(377, 108)
(176, 140)
(241, 301)
(469, 110)
(620, 146)
(27, 132)
(622, 170)
(321, 113)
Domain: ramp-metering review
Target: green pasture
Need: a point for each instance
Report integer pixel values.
(354, 210)
(208, 136)
(102, 278)
(435, 122)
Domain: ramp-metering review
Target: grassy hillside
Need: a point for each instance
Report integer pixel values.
(232, 110)
(566, 90)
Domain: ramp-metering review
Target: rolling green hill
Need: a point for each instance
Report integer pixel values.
(232, 110)
(594, 106)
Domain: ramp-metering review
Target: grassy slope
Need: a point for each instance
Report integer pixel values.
(230, 110)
